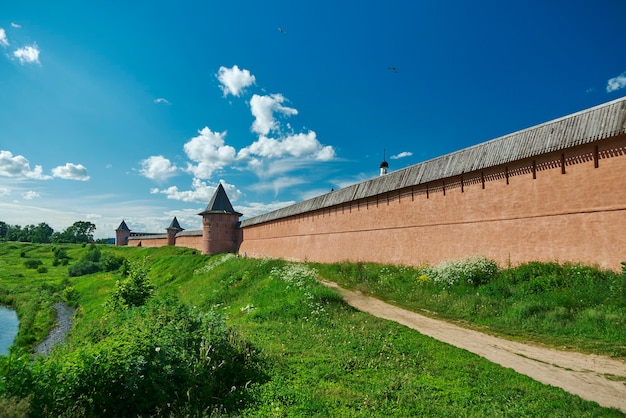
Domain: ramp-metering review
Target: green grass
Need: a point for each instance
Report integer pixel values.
(320, 357)
(563, 305)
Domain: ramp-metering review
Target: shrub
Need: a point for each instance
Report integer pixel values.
(93, 254)
(32, 263)
(82, 268)
(111, 262)
(153, 359)
(474, 271)
(42, 269)
(134, 290)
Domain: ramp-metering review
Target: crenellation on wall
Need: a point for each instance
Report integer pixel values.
(555, 192)
(541, 214)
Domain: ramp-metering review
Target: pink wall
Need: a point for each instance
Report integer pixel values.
(579, 216)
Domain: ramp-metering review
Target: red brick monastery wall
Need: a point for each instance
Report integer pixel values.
(190, 241)
(147, 242)
(569, 205)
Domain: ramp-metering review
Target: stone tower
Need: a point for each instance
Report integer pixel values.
(220, 225)
(122, 233)
(172, 230)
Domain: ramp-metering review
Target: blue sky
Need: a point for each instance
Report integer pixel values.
(137, 110)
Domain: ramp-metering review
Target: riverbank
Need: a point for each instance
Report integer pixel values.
(64, 320)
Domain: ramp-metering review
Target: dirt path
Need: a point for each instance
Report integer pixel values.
(581, 374)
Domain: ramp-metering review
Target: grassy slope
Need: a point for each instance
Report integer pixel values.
(322, 357)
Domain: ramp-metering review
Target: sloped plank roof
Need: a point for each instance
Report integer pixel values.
(219, 203)
(600, 122)
(123, 227)
(175, 225)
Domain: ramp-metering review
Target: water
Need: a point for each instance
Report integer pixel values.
(8, 329)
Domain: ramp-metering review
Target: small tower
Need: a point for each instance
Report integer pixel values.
(220, 225)
(172, 230)
(122, 233)
(384, 165)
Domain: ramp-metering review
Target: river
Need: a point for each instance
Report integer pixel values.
(8, 329)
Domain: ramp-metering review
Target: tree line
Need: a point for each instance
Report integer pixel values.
(79, 232)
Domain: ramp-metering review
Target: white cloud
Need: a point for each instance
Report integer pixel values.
(71, 171)
(15, 25)
(18, 166)
(4, 191)
(210, 153)
(4, 41)
(234, 81)
(298, 145)
(200, 192)
(30, 195)
(263, 108)
(401, 155)
(27, 54)
(158, 168)
(616, 83)
(161, 100)
(280, 183)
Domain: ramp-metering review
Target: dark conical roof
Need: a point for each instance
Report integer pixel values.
(175, 225)
(123, 227)
(220, 203)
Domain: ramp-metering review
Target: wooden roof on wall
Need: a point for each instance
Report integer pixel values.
(600, 122)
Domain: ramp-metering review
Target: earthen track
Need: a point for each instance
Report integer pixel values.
(592, 377)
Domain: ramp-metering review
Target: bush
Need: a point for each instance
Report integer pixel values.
(111, 262)
(32, 263)
(42, 269)
(134, 290)
(474, 271)
(153, 360)
(93, 254)
(82, 268)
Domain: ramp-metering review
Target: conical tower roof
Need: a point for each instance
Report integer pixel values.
(123, 227)
(219, 203)
(175, 225)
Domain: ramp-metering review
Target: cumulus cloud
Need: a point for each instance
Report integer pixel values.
(234, 81)
(263, 108)
(297, 145)
(4, 41)
(19, 166)
(161, 100)
(27, 54)
(401, 155)
(158, 168)
(210, 153)
(200, 192)
(30, 195)
(616, 83)
(71, 171)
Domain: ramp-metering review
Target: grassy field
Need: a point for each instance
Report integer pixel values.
(300, 350)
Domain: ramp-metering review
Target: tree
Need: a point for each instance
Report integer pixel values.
(40, 233)
(79, 232)
(4, 228)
